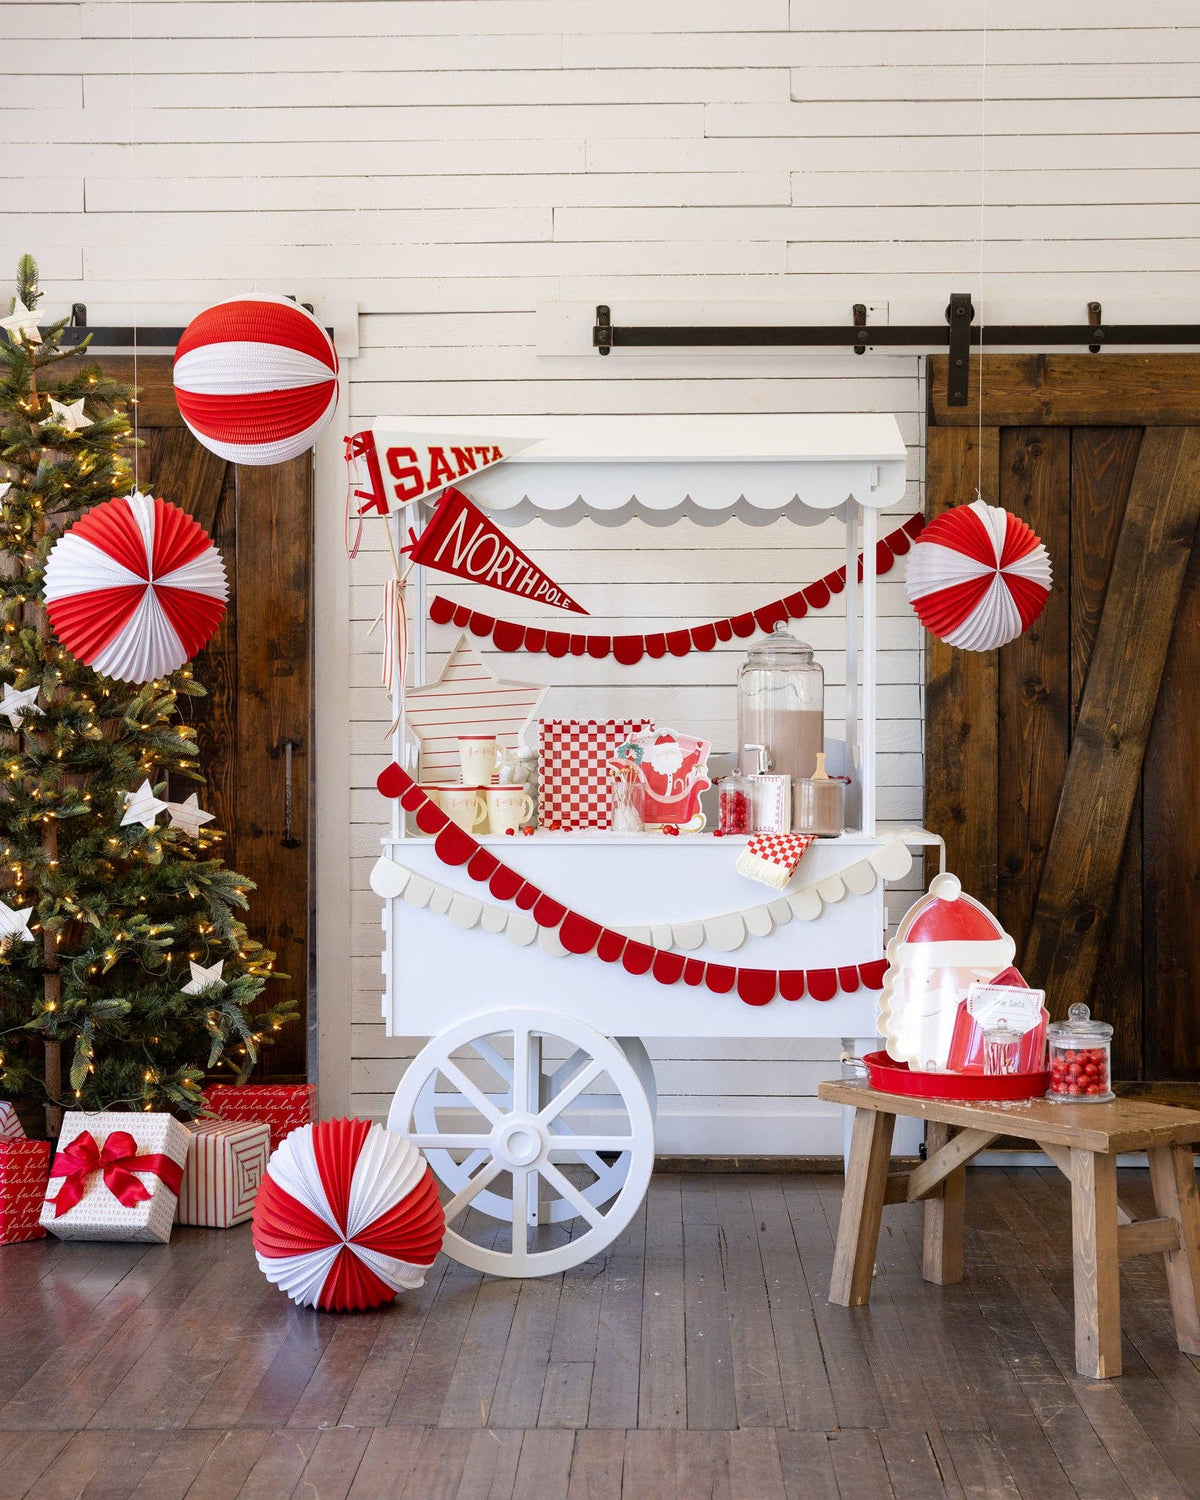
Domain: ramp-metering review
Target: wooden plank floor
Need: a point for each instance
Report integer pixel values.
(699, 1358)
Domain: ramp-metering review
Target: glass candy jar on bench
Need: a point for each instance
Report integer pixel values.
(1080, 1059)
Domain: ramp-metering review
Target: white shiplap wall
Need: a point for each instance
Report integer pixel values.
(449, 165)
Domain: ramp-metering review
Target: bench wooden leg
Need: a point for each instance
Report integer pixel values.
(942, 1261)
(1173, 1179)
(862, 1208)
(1094, 1244)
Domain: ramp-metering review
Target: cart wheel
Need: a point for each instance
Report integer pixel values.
(609, 1169)
(536, 1150)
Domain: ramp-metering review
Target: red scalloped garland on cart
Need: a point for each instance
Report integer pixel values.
(580, 934)
(507, 635)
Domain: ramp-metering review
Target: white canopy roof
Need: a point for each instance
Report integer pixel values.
(756, 467)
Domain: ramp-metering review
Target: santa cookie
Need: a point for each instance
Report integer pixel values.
(946, 940)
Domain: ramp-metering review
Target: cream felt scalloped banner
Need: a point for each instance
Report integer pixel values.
(725, 932)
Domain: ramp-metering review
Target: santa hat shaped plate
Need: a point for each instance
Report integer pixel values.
(946, 940)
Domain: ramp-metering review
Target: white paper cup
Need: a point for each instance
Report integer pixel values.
(481, 758)
(463, 805)
(507, 807)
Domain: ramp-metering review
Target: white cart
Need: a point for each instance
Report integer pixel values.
(534, 1100)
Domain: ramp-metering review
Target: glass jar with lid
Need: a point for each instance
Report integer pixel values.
(781, 704)
(1080, 1059)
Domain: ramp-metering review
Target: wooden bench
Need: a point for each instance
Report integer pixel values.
(1083, 1141)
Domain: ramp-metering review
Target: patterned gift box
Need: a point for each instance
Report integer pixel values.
(11, 1128)
(99, 1143)
(226, 1161)
(575, 788)
(282, 1106)
(23, 1168)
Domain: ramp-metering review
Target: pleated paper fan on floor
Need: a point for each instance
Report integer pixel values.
(978, 577)
(347, 1215)
(256, 379)
(135, 588)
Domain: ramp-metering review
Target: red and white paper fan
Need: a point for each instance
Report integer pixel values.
(978, 576)
(135, 588)
(347, 1215)
(256, 379)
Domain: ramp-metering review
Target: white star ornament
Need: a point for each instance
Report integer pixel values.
(202, 977)
(15, 704)
(142, 806)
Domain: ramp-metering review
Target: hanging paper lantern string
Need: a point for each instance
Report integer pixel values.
(580, 934)
(256, 379)
(346, 1216)
(978, 576)
(627, 650)
(135, 588)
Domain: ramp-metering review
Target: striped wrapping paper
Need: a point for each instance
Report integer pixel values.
(24, 1170)
(226, 1161)
(10, 1125)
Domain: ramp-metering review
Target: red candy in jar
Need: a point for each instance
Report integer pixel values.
(735, 804)
(1080, 1067)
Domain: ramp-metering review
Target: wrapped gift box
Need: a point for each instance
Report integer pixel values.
(97, 1166)
(282, 1106)
(23, 1168)
(11, 1128)
(226, 1161)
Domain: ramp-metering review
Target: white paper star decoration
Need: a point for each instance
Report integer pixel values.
(188, 815)
(142, 807)
(15, 924)
(202, 977)
(5, 487)
(21, 324)
(15, 704)
(69, 417)
(468, 698)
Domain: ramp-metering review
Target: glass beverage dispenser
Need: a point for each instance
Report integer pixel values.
(781, 704)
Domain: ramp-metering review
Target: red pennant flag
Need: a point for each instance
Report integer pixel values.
(461, 540)
(406, 466)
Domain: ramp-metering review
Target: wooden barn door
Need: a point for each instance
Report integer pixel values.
(1064, 770)
(258, 674)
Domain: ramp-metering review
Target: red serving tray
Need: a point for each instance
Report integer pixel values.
(896, 1078)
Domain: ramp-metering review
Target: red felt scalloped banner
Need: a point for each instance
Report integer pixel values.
(507, 635)
(580, 934)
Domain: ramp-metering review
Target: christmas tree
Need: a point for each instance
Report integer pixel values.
(125, 970)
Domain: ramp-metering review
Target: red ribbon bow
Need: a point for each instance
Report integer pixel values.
(118, 1161)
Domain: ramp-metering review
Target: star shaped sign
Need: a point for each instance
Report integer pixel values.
(188, 815)
(15, 924)
(202, 977)
(142, 806)
(16, 705)
(468, 698)
(70, 417)
(21, 324)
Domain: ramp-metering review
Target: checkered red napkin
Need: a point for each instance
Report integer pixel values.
(772, 857)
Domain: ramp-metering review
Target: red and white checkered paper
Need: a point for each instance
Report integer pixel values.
(11, 1128)
(782, 849)
(282, 1106)
(24, 1172)
(575, 788)
(226, 1161)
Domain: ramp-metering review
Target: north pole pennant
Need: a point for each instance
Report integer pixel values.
(461, 540)
(406, 466)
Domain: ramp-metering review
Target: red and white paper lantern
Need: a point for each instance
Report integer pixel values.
(978, 576)
(135, 588)
(347, 1215)
(256, 379)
